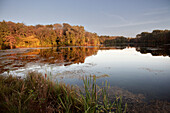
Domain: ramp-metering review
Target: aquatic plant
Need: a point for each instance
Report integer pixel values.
(37, 93)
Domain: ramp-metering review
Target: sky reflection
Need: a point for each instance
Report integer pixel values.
(127, 69)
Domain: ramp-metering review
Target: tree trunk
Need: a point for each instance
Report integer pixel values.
(11, 45)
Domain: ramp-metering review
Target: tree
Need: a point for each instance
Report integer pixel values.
(21, 35)
(10, 40)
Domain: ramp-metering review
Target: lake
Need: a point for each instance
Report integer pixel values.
(141, 71)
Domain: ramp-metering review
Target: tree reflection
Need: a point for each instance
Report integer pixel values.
(64, 56)
(155, 51)
(60, 56)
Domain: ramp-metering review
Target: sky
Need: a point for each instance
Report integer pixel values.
(104, 17)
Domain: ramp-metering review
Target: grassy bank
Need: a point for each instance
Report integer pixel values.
(36, 93)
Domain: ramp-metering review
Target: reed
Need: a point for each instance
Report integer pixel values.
(37, 93)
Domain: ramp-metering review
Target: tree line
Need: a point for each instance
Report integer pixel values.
(108, 40)
(20, 35)
(156, 37)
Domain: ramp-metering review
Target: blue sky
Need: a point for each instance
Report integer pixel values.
(104, 17)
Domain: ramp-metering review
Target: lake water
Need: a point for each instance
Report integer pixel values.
(138, 70)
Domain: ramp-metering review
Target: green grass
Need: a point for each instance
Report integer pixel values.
(37, 93)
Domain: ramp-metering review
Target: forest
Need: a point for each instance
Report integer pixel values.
(156, 37)
(109, 40)
(16, 35)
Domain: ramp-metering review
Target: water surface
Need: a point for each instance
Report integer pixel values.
(140, 70)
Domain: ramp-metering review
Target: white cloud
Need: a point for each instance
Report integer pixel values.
(115, 16)
(155, 13)
(137, 23)
(158, 11)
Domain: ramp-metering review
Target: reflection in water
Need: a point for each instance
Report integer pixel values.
(145, 48)
(165, 51)
(16, 58)
(13, 59)
(64, 56)
(128, 67)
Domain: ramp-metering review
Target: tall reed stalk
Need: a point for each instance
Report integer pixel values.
(37, 93)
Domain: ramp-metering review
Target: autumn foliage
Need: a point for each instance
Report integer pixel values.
(20, 35)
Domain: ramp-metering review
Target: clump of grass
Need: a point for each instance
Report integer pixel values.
(36, 93)
(95, 99)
